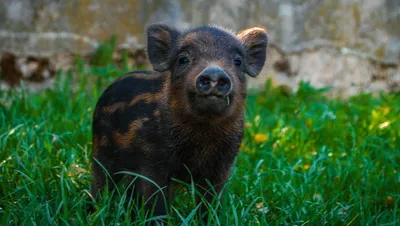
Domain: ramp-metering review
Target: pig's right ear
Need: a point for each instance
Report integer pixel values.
(161, 45)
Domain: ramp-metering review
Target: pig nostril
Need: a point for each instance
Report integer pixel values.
(223, 81)
(203, 84)
(224, 85)
(204, 80)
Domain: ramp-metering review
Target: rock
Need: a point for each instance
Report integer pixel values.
(37, 72)
(346, 74)
(377, 86)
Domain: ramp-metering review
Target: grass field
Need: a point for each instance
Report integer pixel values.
(305, 159)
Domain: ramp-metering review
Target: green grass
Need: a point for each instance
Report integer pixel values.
(305, 159)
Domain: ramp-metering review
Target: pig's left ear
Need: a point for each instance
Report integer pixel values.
(255, 40)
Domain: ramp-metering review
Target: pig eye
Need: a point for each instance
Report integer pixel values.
(237, 61)
(183, 60)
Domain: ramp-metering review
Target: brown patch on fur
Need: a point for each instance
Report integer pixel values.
(193, 40)
(124, 140)
(103, 141)
(156, 113)
(144, 76)
(146, 97)
(189, 38)
(165, 87)
(113, 108)
(96, 147)
(173, 104)
(163, 35)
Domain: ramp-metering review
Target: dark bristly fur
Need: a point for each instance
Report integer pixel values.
(154, 123)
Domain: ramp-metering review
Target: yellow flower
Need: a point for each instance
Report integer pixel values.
(244, 148)
(306, 167)
(260, 138)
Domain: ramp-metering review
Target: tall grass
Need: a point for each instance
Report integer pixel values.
(305, 159)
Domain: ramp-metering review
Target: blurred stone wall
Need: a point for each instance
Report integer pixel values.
(356, 35)
(48, 26)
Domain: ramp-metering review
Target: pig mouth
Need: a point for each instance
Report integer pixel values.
(215, 98)
(211, 105)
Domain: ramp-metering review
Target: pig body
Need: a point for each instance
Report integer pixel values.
(183, 120)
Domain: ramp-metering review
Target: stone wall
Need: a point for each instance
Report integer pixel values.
(368, 27)
(48, 26)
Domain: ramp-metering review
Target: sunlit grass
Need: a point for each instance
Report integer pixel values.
(305, 159)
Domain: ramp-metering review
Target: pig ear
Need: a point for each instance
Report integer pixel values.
(255, 40)
(161, 45)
